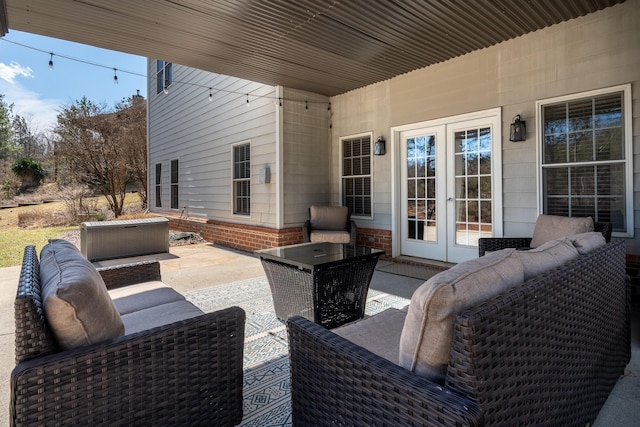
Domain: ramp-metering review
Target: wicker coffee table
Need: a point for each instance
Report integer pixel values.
(326, 283)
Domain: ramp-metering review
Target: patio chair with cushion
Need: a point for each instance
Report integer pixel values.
(329, 224)
(117, 346)
(548, 227)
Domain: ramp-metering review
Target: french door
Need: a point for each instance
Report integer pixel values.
(448, 180)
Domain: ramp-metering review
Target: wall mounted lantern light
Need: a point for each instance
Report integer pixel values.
(379, 146)
(518, 130)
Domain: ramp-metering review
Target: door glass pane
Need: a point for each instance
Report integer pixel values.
(473, 182)
(421, 188)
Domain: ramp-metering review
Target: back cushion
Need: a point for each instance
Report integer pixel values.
(586, 242)
(328, 217)
(550, 255)
(76, 302)
(550, 227)
(426, 337)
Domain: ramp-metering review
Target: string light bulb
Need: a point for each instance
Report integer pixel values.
(247, 100)
(166, 90)
(115, 76)
(51, 61)
(306, 105)
(210, 95)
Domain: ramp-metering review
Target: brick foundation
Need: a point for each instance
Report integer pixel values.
(374, 238)
(238, 236)
(251, 238)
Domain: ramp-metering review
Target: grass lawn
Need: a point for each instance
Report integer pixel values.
(14, 238)
(13, 241)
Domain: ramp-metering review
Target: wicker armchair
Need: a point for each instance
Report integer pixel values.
(184, 373)
(547, 352)
(497, 243)
(329, 224)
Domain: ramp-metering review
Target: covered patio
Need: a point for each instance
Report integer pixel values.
(341, 52)
(202, 271)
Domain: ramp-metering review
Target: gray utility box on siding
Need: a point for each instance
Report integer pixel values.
(100, 240)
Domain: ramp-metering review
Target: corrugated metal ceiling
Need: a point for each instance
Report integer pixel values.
(323, 46)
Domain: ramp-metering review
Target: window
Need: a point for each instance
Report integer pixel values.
(164, 75)
(356, 174)
(242, 179)
(174, 184)
(586, 155)
(158, 185)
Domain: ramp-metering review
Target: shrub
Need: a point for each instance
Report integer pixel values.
(29, 171)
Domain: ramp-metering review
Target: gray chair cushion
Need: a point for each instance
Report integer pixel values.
(140, 296)
(380, 334)
(76, 303)
(328, 217)
(425, 343)
(551, 227)
(586, 242)
(160, 315)
(331, 236)
(550, 255)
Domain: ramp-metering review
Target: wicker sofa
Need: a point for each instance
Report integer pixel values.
(546, 351)
(487, 244)
(169, 363)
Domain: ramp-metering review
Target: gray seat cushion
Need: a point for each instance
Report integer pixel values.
(331, 236)
(380, 334)
(140, 296)
(160, 315)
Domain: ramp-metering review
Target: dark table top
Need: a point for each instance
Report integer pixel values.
(311, 255)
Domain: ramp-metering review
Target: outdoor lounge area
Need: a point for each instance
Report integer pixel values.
(213, 278)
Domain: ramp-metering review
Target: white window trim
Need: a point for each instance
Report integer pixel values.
(628, 146)
(233, 190)
(371, 145)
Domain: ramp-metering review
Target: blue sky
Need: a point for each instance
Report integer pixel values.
(38, 93)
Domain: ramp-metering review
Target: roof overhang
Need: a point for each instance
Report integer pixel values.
(323, 46)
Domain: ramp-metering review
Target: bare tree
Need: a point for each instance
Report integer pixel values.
(94, 144)
(132, 118)
(28, 140)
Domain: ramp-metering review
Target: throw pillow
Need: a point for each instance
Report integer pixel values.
(551, 227)
(425, 342)
(76, 303)
(550, 255)
(586, 242)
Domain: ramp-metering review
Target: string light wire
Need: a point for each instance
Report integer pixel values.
(279, 99)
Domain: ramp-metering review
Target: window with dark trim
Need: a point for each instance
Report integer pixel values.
(584, 158)
(356, 175)
(242, 179)
(158, 185)
(174, 184)
(164, 75)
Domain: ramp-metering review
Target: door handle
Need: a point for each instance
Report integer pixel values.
(450, 199)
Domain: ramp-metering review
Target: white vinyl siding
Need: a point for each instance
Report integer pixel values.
(185, 125)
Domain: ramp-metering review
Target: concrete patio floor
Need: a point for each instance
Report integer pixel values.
(200, 266)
